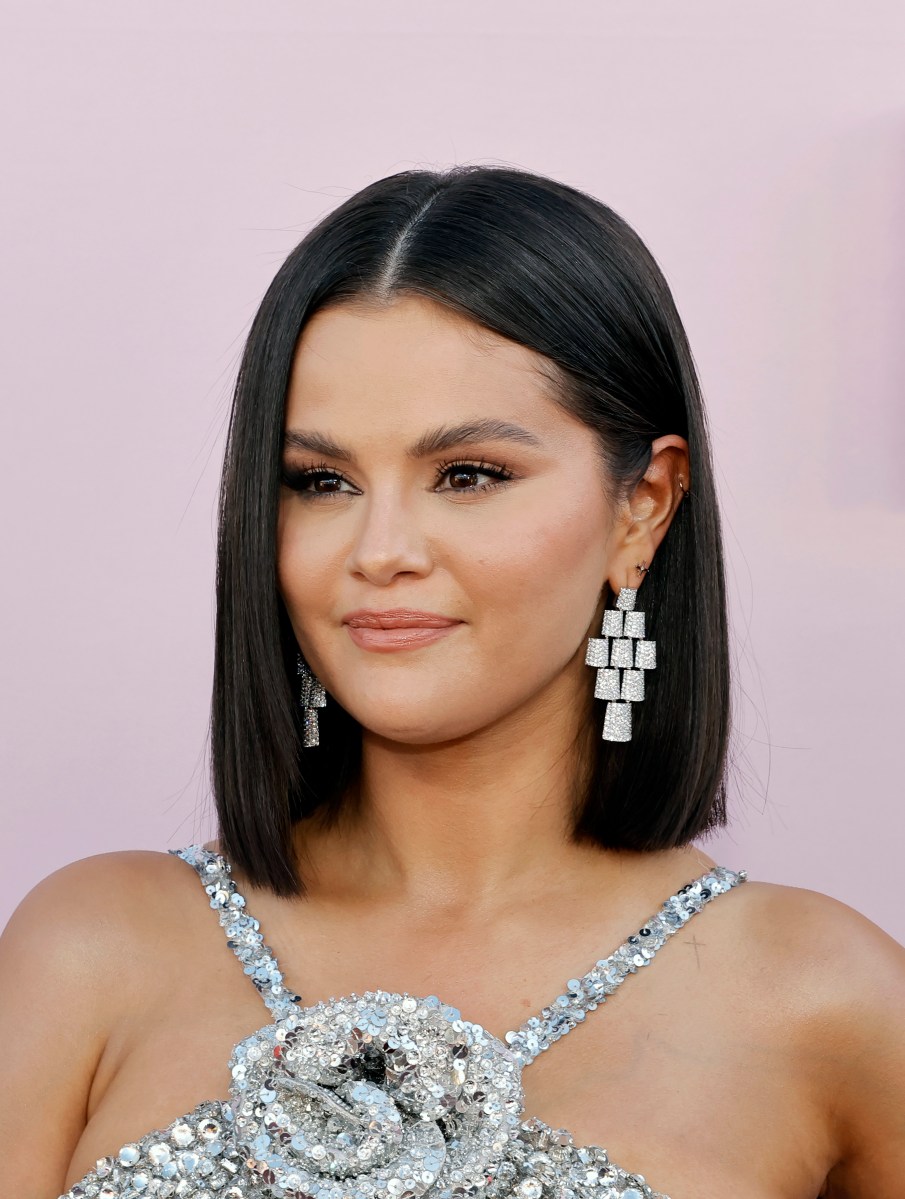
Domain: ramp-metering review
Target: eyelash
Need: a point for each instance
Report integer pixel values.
(297, 478)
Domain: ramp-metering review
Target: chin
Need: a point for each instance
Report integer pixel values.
(415, 731)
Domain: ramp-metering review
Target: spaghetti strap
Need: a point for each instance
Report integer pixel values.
(583, 995)
(242, 930)
(382, 1095)
(534, 1035)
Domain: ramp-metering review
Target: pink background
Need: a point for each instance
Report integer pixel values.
(159, 162)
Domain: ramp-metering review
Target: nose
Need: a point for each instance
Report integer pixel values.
(388, 540)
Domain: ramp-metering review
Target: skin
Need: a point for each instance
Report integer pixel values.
(762, 1058)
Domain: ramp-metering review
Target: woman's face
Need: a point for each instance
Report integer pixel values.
(518, 563)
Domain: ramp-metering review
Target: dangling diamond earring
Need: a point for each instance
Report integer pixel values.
(312, 697)
(630, 653)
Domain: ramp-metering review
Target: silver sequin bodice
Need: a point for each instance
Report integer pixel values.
(382, 1095)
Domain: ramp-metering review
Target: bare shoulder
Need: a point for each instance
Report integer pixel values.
(89, 913)
(838, 981)
(89, 880)
(821, 953)
(78, 951)
(823, 938)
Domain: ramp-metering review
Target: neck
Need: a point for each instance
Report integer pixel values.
(471, 824)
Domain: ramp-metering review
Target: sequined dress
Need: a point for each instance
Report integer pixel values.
(382, 1095)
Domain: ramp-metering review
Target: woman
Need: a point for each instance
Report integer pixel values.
(471, 709)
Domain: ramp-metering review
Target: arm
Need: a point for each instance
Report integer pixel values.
(61, 981)
(865, 1036)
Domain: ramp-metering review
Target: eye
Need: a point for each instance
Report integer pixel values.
(305, 480)
(322, 481)
(466, 469)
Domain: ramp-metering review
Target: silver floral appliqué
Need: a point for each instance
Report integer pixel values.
(375, 1096)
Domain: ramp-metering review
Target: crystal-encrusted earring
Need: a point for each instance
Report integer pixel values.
(312, 696)
(621, 647)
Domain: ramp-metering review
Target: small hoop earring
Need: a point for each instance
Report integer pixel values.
(312, 696)
(621, 646)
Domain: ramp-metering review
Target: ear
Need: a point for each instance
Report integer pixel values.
(647, 513)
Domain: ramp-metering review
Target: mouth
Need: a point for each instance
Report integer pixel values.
(397, 629)
(397, 618)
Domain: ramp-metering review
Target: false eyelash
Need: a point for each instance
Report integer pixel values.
(298, 477)
(500, 474)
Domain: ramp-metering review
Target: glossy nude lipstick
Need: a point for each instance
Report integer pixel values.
(391, 629)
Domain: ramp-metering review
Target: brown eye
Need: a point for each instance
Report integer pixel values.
(470, 473)
(308, 481)
(331, 482)
(459, 474)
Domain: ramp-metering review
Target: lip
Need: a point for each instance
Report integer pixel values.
(397, 618)
(391, 629)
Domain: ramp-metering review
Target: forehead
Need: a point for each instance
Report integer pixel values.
(412, 355)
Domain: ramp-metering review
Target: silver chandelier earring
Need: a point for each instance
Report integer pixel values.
(621, 647)
(312, 696)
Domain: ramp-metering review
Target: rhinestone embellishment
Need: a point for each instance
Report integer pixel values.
(382, 1095)
(375, 1096)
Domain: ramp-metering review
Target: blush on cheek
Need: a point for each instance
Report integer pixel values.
(291, 584)
(565, 542)
(546, 578)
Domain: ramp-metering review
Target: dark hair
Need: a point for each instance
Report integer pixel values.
(554, 269)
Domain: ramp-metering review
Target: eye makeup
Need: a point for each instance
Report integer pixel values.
(297, 478)
(498, 474)
(300, 479)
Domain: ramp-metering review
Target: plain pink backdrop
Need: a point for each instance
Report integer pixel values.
(160, 161)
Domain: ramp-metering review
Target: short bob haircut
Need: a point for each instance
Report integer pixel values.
(553, 269)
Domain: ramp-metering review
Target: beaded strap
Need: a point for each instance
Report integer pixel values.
(242, 929)
(537, 1033)
(583, 994)
(233, 1149)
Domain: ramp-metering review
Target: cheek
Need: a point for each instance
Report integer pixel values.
(286, 557)
(538, 583)
(308, 560)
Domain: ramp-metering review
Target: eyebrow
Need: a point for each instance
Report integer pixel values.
(434, 441)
